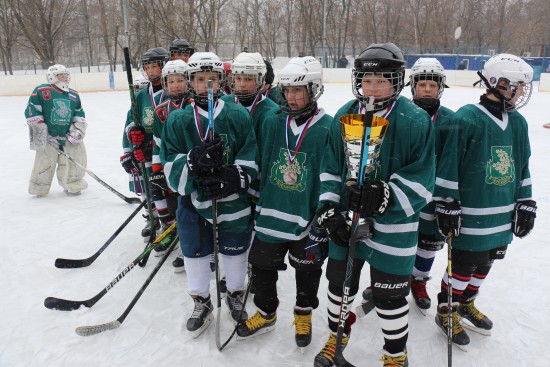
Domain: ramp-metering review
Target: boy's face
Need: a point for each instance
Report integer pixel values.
(183, 55)
(175, 84)
(153, 70)
(245, 83)
(377, 86)
(297, 97)
(63, 78)
(199, 82)
(427, 89)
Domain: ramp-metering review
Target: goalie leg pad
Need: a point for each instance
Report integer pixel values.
(38, 136)
(43, 171)
(70, 175)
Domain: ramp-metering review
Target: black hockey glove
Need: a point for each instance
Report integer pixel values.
(373, 198)
(334, 223)
(202, 159)
(129, 163)
(524, 218)
(448, 217)
(226, 181)
(317, 244)
(158, 185)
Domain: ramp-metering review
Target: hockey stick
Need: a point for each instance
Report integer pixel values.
(94, 176)
(60, 304)
(96, 329)
(137, 122)
(81, 263)
(449, 300)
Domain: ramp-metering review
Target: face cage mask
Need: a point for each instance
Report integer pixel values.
(394, 77)
(247, 97)
(144, 73)
(202, 100)
(514, 87)
(175, 97)
(62, 85)
(308, 109)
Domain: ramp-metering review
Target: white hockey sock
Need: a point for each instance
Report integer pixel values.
(198, 275)
(235, 271)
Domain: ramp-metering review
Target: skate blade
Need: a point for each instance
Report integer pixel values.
(423, 311)
(463, 348)
(235, 322)
(302, 350)
(467, 325)
(179, 270)
(204, 326)
(259, 332)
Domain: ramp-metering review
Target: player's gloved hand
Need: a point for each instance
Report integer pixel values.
(330, 218)
(523, 221)
(129, 164)
(224, 182)
(202, 159)
(316, 244)
(144, 153)
(373, 198)
(74, 137)
(448, 215)
(158, 185)
(136, 135)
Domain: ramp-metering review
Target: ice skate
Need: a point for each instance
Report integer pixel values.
(146, 231)
(201, 317)
(178, 264)
(325, 358)
(257, 325)
(164, 244)
(302, 321)
(235, 305)
(367, 303)
(420, 294)
(397, 360)
(473, 319)
(460, 337)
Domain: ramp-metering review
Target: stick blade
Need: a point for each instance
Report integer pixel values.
(133, 200)
(72, 263)
(96, 329)
(62, 304)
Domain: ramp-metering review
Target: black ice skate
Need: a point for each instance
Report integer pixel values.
(302, 321)
(234, 302)
(367, 303)
(146, 231)
(257, 325)
(201, 317)
(178, 264)
(420, 294)
(473, 319)
(325, 358)
(164, 244)
(460, 337)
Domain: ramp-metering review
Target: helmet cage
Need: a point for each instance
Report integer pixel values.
(200, 62)
(52, 75)
(140, 83)
(396, 78)
(314, 90)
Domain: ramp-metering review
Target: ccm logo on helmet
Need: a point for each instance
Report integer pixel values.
(370, 64)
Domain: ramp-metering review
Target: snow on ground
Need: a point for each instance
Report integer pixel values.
(38, 231)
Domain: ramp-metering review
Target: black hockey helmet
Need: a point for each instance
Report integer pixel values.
(380, 58)
(157, 54)
(181, 46)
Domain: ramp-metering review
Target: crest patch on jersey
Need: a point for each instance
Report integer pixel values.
(500, 168)
(61, 113)
(46, 95)
(148, 118)
(162, 114)
(289, 176)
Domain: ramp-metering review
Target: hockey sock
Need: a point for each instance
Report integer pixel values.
(198, 275)
(423, 263)
(475, 282)
(265, 286)
(307, 285)
(235, 271)
(394, 317)
(334, 301)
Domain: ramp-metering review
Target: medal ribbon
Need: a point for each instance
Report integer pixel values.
(291, 157)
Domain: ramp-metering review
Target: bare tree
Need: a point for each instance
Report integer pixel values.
(8, 37)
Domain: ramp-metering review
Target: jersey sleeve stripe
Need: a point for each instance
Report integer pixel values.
(402, 199)
(488, 211)
(415, 186)
(453, 185)
(329, 177)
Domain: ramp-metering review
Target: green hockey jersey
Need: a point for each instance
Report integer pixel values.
(485, 166)
(57, 108)
(183, 131)
(407, 163)
(289, 166)
(162, 111)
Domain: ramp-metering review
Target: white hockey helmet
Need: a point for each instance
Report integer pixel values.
(204, 61)
(515, 71)
(53, 76)
(248, 63)
(140, 83)
(427, 68)
(305, 71)
(174, 67)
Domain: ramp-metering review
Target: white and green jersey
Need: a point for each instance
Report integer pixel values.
(407, 163)
(289, 185)
(485, 166)
(57, 108)
(441, 120)
(184, 130)
(162, 111)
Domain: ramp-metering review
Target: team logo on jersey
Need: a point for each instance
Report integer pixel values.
(227, 151)
(148, 118)
(500, 168)
(162, 114)
(61, 113)
(46, 95)
(289, 176)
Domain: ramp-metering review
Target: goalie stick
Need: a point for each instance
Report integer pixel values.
(60, 304)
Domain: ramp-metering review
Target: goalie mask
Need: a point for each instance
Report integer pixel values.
(508, 78)
(248, 72)
(199, 63)
(158, 56)
(302, 71)
(380, 68)
(173, 79)
(427, 81)
(59, 76)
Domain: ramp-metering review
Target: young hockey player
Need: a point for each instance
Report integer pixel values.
(202, 169)
(56, 121)
(427, 81)
(138, 140)
(398, 184)
(291, 150)
(181, 49)
(483, 188)
(166, 201)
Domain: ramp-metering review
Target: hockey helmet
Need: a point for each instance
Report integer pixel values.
(427, 68)
(174, 67)
(251, 64)
(53, 73)
(204, 61)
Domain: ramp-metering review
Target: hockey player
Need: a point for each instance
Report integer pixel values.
(139, 139)
(483, 188)
(166, 201)
(291, 150)
(393, 193)
(201, 169)
(427, 81)
(181, 49)
(56, 121)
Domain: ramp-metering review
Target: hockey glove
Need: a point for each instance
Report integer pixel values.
(129, 164)
(373, 198)
(524, 218)
(136, 135)
(74, 137)
(226, 181)
(448, 217)
(202, 159)
(334, 223)
(158, 185)
(317, 244)
(144, 153)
